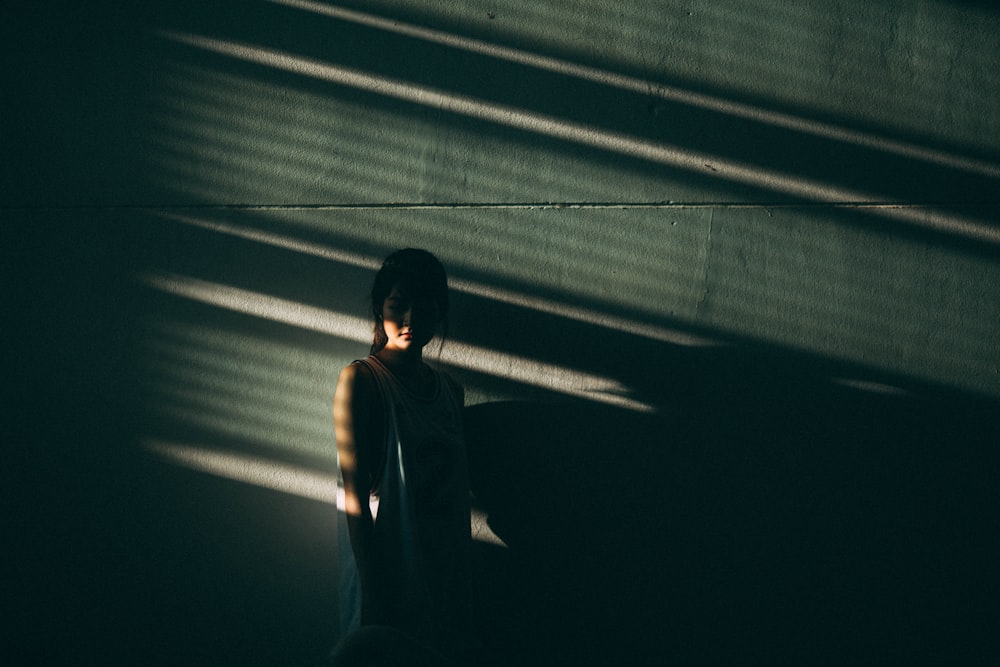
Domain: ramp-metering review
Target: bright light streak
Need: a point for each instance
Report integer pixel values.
(672, 156)
(649, 88)
(584, 315)
(263, 306)
(278, 476)
(871, 387)
(477, 359)
(265, 473)
(510, 297)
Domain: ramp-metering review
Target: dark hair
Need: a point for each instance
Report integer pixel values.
(415, 271)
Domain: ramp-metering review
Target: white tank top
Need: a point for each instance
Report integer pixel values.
(421, 514)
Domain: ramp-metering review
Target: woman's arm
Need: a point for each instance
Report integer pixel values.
(356, 407)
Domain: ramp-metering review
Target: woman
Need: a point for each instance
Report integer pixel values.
(402, 458)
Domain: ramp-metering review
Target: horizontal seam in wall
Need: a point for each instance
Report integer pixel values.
(512, 205)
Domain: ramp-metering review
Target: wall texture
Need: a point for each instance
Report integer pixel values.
(726, 284)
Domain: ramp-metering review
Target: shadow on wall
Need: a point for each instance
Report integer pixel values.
(763, 516)
(791, 525)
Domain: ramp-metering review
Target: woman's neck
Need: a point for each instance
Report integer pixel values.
(409, 370)
(401, 360)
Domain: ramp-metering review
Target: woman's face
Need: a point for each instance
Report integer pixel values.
(409, 322)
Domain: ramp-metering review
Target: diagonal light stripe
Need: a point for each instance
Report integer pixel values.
(511, 297)
(266, 473)
(477, 359)
(694, 161)
(263, 306)
(649, 88)
(278, 476)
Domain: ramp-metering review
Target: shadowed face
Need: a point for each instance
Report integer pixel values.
(409, 321)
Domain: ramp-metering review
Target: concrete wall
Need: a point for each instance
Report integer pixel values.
(726, 280)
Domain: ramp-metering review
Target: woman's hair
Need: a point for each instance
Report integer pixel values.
(416, 272)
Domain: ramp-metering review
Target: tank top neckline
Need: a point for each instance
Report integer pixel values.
(432, 395)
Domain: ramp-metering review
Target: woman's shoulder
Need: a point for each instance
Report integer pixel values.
(359, 378)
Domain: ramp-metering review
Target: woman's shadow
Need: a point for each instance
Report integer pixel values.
(603, 513)
(795, 525)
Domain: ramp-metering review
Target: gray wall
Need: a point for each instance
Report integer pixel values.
(725, 277)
